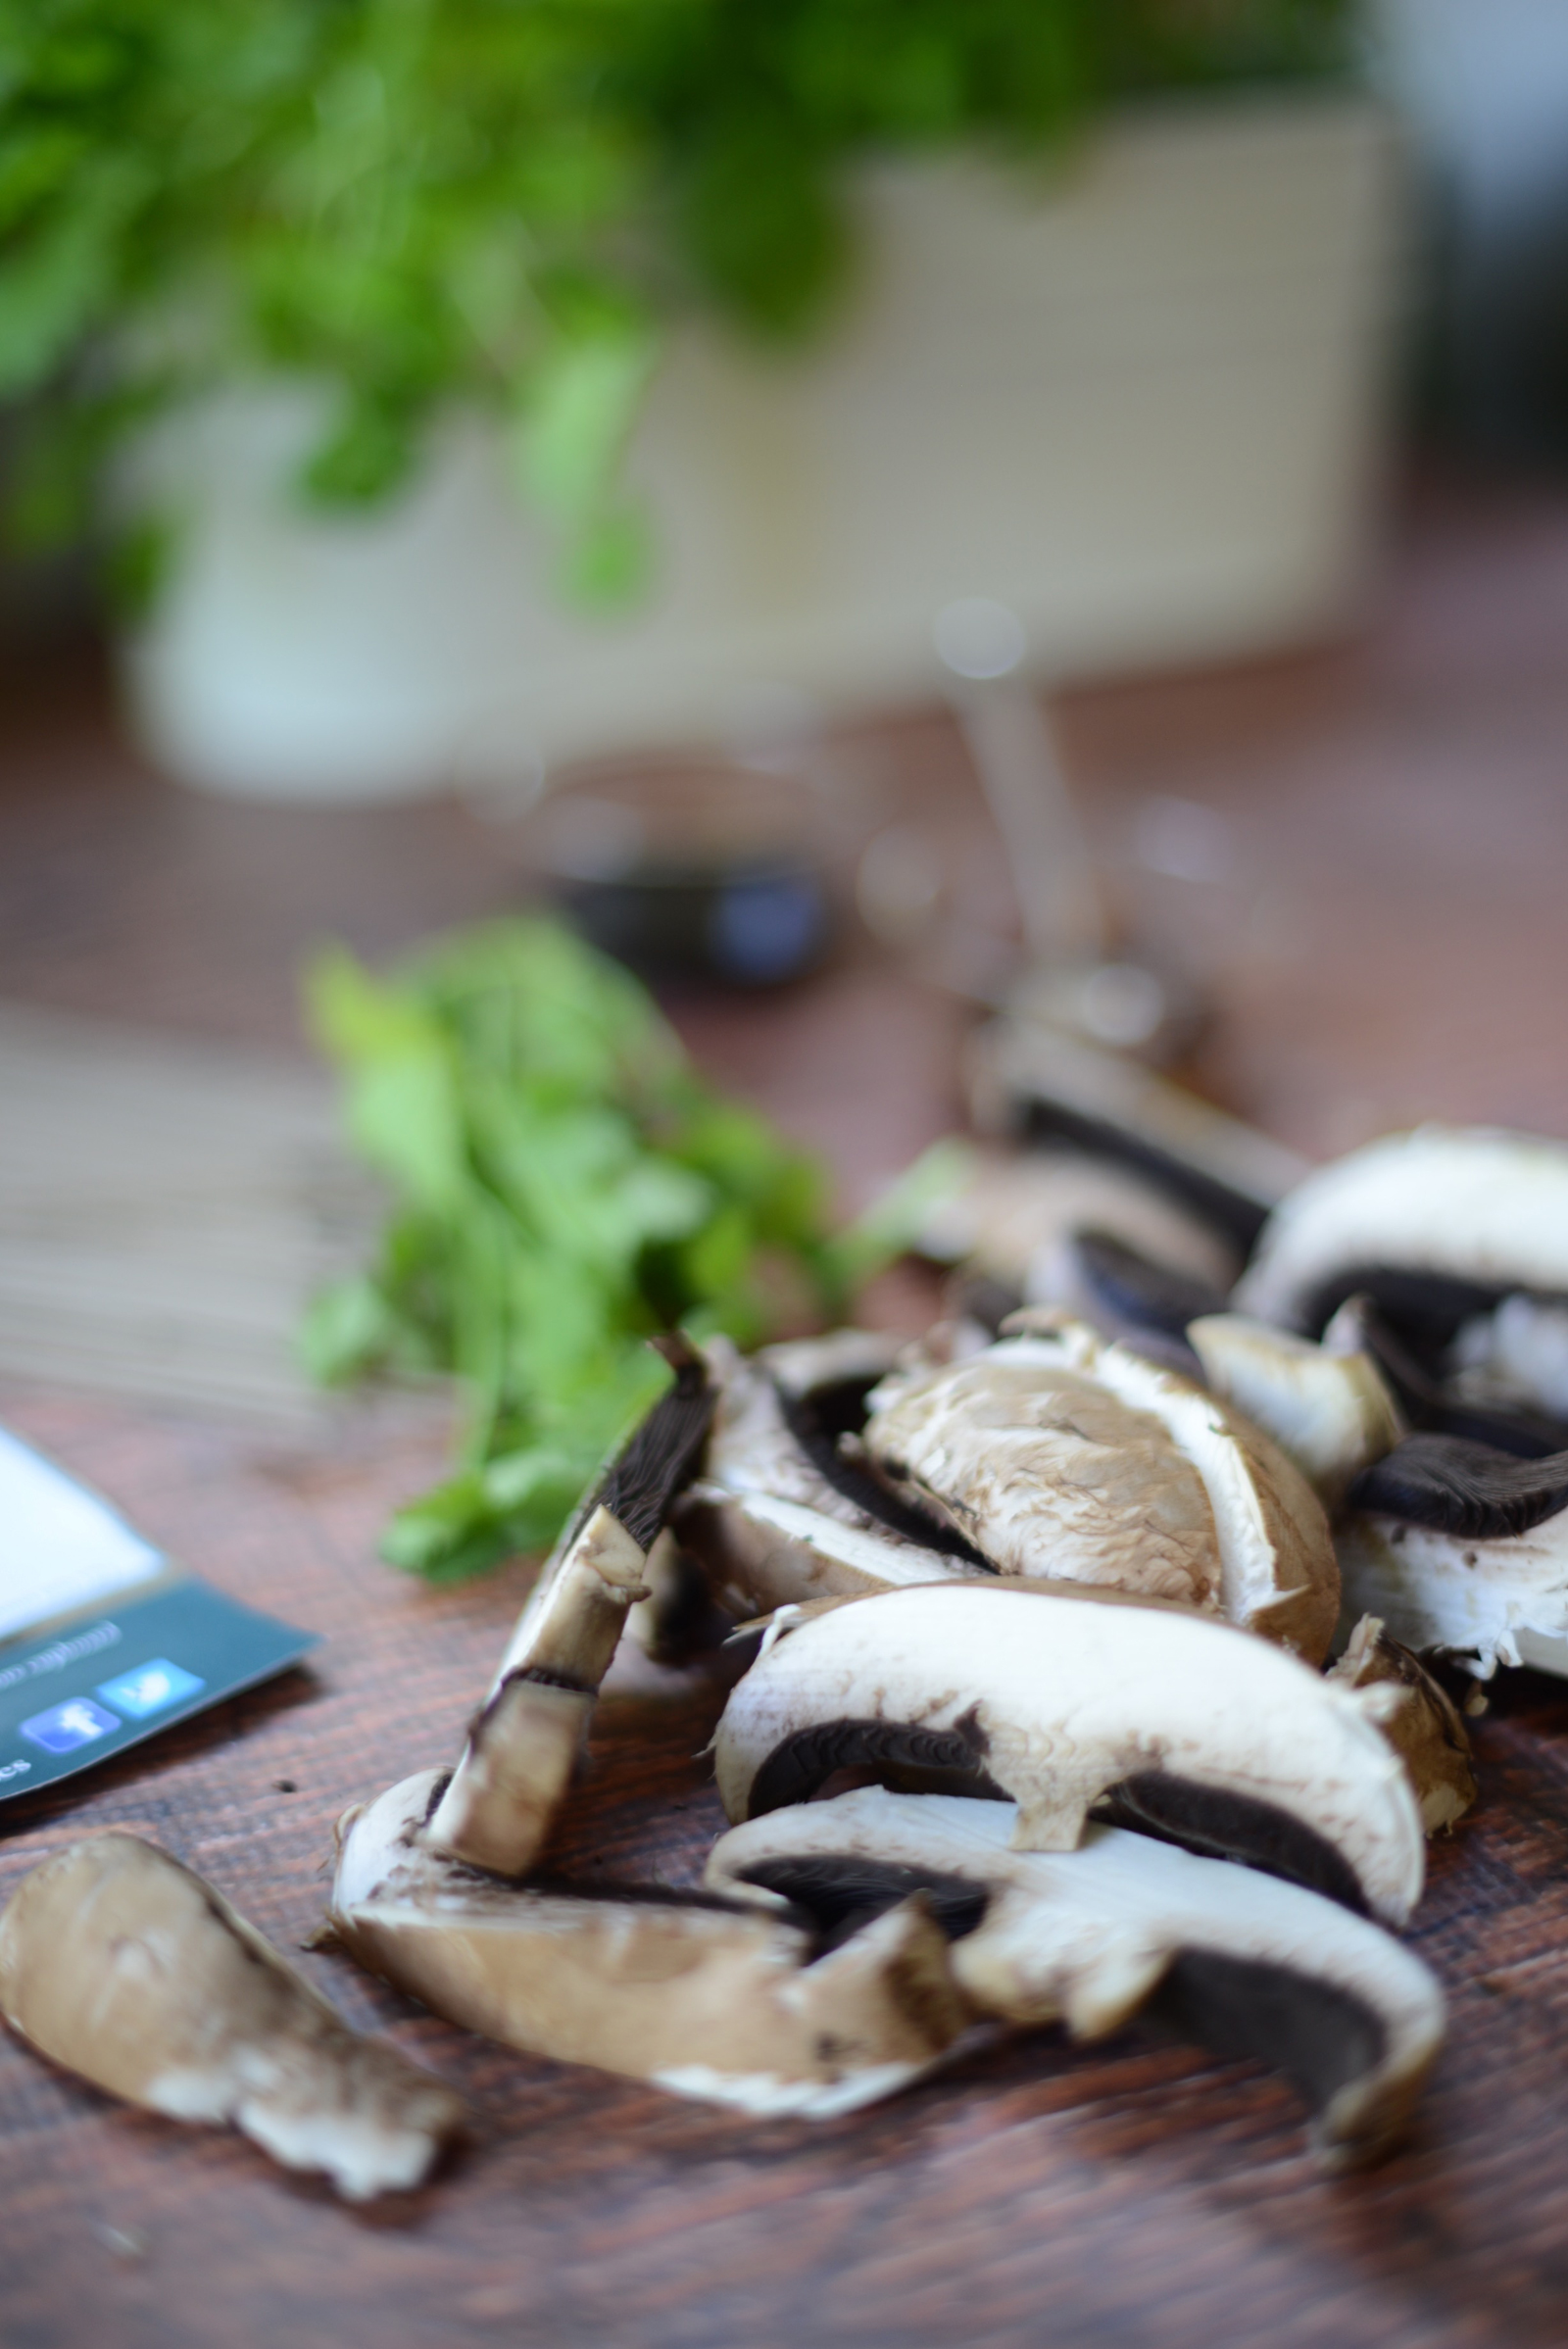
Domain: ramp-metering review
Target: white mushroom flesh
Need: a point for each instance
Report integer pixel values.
(524, 1744)
(1059, 1696)
(1516, 1356)
(123, 1966)
(702, 2001)
(524, 1747)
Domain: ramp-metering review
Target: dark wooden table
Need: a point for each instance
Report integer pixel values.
(1386, 941)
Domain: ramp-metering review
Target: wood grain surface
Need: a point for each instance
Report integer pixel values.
(1388, 940)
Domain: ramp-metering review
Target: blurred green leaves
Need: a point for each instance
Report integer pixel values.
(495, 202)
(564, 1185)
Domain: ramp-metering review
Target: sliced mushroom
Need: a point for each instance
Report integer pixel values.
(1126, 1295)
(1021, 1206)
(1330, 1413)
(1059, 1455)
(778, 1514)
(675, 1623)
(1091, 1936)
(1027, 1077)
(1461, 1547)
(701, 1999)
(524, 1744)
(1061, 1698)
(1427, 1732)
(1437, 1226)
(125, 1967)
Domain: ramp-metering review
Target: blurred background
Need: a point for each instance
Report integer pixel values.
(884, 515)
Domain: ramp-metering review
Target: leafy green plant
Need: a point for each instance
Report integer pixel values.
(416, 202)
(565, 1185)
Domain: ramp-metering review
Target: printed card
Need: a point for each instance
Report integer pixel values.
(103, 1641)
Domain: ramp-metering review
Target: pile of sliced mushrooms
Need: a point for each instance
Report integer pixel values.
(1087, 1683)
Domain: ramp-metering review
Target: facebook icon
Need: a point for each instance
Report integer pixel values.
(67, 1725)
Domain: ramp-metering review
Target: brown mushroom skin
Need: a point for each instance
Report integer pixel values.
(125, 1967)
(1427, 1730)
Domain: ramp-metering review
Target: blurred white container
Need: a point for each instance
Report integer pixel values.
(1139, 401)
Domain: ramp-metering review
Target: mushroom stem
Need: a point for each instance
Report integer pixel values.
(125, 1967)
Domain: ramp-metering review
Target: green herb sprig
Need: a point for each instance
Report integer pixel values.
(565, 1185)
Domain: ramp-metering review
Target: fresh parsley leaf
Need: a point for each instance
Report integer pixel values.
(565, 1184)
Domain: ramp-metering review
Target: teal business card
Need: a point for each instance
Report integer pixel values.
(104, 1641)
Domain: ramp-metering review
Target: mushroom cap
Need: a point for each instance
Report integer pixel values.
(1090, 1936)
(1057, 1696)
(1473, 1204)
(125, 1967)
(701, 1999)
(1061, 1456)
